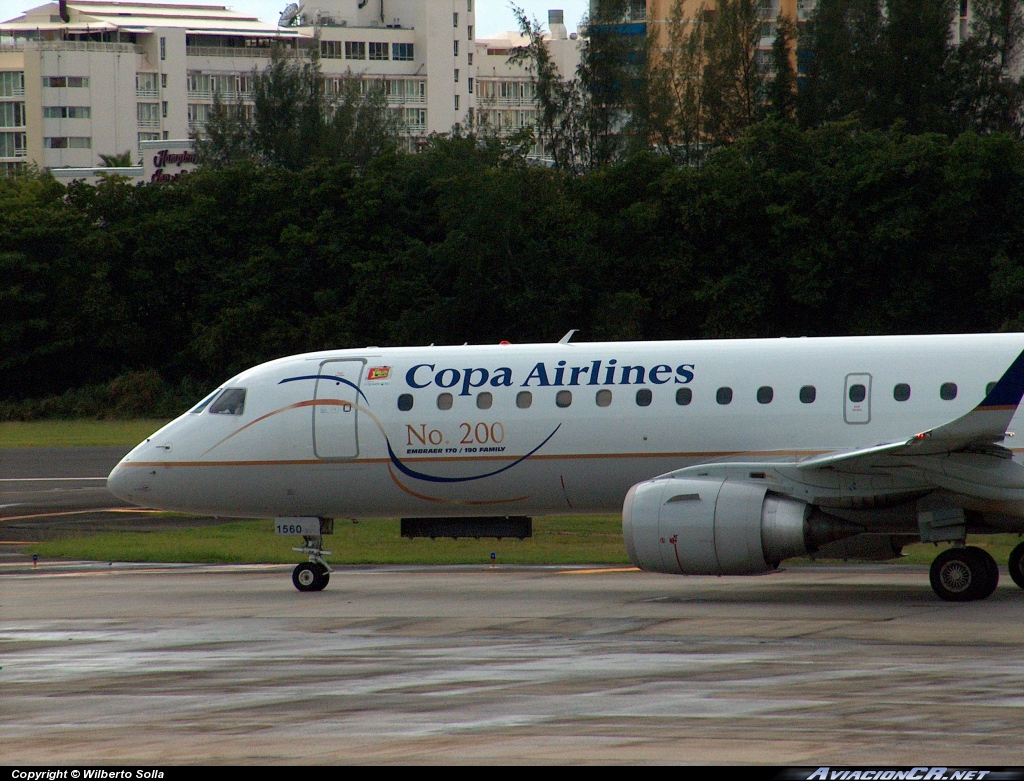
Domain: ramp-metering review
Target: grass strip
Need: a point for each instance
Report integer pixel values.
(593, 539)
(76, 433)
(556, 540)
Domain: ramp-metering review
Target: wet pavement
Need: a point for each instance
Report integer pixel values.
(171, 664)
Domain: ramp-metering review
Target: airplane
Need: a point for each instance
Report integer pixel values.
(725, 457)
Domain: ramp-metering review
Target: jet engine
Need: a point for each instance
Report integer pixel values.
(713, 526)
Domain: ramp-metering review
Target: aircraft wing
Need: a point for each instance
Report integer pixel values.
(963, 456)
(979, 429)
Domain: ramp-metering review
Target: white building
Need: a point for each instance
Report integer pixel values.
(83, 78)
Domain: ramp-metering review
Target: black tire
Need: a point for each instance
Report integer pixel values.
(1016, 565)
(957, 573)
(323, 577)
(306, 577)
(987, 585)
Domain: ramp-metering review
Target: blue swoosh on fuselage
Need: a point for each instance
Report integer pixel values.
(326, 377)
(435, 479)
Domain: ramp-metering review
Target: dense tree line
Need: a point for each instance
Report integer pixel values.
(838, 230)
(691, 196)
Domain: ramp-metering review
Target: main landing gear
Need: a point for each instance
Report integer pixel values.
(966, 574)
(311, 576)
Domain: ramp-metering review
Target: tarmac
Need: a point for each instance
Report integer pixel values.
(169, 664)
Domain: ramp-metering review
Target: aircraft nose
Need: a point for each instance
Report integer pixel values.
(118, 483)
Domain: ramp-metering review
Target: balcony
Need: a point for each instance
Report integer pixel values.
(147, 93)
(254, 52)
(231, 96)
(149, 123)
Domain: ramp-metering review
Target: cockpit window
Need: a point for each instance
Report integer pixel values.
(230, 402)
(205, 402)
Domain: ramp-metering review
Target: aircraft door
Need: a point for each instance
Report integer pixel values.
(336, 413)
(857, 398)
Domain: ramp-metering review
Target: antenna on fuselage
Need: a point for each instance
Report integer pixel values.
(565, 339)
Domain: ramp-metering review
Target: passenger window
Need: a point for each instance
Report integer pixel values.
(989, 387)
(643, 397)
(724, 396)
(563, 398)
(765, 395)
(484, 400)
(604, 398)
(205, 402)
(524, 399)
(808, 393)
(901, 391)
(405, 402)
(230, 402)
(684, 396)
(947, 392)
(858, 393)
(444, 401)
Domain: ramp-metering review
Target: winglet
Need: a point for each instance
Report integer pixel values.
(986, 423)
(1007, 393)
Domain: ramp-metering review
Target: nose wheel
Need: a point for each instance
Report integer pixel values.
(964, 574)
(311, 576)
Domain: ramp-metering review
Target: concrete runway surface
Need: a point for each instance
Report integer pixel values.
(223, 664)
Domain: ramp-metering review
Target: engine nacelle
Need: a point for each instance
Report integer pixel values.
(712, 526)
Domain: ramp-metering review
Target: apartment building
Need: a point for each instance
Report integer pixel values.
(82, 78)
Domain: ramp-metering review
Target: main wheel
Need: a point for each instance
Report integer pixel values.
(1017, 565)
(987, 585)
(959, 574)
(307, 577)
(323, 577)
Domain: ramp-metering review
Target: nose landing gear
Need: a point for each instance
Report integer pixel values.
(315, 574)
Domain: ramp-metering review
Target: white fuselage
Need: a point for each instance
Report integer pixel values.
(322, 434)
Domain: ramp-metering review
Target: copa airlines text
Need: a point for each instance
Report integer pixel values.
(725, 457)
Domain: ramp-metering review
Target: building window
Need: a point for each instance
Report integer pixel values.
(12, 115)
(12, 84)
(163, 48)
(378, 51)
(330, 50)
(163, 110)
(416, 118)
(455, 48)
(148, 114)
(68, 142)
(75, 82)
(469, 6)
(12, 145)
(403, 52)
(469, 85)
(469, 58)
(469, 32)
(455, 19)
(456, 75)
(148, 137)
(163, 81)
(456, 102)
(355, 50)
(67, 112)
(145, 85)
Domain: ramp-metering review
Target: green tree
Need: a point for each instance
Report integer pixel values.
(120, 160)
